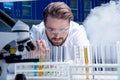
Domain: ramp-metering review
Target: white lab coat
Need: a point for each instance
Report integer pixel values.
(76, 37)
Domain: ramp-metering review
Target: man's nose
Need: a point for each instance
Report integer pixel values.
(57, 34)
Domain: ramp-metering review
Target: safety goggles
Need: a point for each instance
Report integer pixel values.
(53, 31)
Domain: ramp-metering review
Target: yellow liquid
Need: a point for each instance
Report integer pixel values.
(86, 62)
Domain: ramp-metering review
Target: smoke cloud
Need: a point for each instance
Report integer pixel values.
(103, 23)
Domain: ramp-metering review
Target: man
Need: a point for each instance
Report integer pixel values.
(58, 29)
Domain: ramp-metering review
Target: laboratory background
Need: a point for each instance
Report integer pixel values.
(101, 19)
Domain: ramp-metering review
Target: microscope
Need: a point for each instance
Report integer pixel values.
(20, 34)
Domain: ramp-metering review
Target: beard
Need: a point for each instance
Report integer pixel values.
(57, 41)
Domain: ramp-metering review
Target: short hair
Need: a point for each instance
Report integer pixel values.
(58, 10)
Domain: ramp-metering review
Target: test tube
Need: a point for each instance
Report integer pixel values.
(118, 58)
(41, 59)
(102, 49)
(60, 54)
(56, 54)
(47, 55)
(76, 50)
(86, 62)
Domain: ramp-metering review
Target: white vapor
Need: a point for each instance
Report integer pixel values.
(103, 23)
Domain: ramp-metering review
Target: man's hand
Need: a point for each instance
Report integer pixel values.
(42, 51)
(41, 46)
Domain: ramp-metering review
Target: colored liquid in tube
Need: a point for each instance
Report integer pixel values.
(86, 62)
(40, 67)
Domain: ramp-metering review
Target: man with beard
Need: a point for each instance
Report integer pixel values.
(58, 29)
